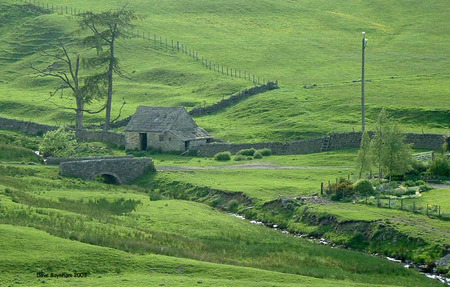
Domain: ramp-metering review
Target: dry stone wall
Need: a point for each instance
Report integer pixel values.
(234, 99)
(40, 129)
(331, 142)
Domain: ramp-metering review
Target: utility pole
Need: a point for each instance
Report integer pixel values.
(363, 96)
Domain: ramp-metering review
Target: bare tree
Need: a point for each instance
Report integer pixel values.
(67, 71)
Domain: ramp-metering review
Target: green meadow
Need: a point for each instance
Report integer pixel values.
(126, 234)
(298, 43)
(174, 227)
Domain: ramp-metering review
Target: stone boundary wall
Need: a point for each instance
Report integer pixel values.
(225, 103)
(25, 127)
(332, 142)
(217, 106)
(40, 129)
(58, 160)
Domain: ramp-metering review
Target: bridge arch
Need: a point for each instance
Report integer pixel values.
(110, 178)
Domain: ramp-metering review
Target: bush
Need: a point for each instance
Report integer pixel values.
(258, 155)
(223, 156)
(343, 190)
(59, 143)
(239, 158)
(440, 166)
(233, 205)
(247, 152)
(363, 187)
(265, 151)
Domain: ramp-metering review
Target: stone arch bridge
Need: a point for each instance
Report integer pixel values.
(121, 170)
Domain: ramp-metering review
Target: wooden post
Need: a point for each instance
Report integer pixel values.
(401, 206)
(329, 186)
(178, 46)
(321, 188)
(389, 202)
(439, 212)
(378, 201)
(414, 206)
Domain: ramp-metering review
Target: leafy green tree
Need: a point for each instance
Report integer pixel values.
(106, 28)
(59, 143)
(364, 160)
(376, 145)
(390, 152)
(396, 154)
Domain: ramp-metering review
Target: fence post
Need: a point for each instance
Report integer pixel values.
(401, 206)
(378, 201)
(178, 45)
(389, 202)
(329, 186)
(439, 212)
(321, 188)
(414, 206)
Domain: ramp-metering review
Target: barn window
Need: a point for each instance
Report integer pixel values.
(161, 138)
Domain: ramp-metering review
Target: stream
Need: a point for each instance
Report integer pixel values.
(323, 241)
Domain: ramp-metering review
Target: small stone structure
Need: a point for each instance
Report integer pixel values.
(121, 170)
(165, 129)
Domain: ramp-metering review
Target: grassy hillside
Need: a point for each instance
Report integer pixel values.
(129, 234)
(297, 42)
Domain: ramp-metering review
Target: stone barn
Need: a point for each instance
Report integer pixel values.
(165, 129)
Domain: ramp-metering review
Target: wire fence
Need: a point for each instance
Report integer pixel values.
(159, 42)
(410, 204)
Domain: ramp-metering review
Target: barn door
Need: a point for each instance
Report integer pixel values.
(143, 141)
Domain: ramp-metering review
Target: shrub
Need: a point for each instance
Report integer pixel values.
(258, 155)
(59, 143)
(343, 190)
(440, 166)
(363, 187)
(223, 156)
(247, 152)
(239, 158)
(265, 151)
(233, 205)
(409, 183)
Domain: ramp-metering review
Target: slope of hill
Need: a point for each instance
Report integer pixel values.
(299, 43)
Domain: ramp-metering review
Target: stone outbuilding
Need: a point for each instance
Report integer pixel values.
(165, 129)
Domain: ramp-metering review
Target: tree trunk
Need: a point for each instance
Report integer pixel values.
(110, 86)
(80, 108)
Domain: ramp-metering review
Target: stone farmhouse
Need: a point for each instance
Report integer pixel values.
(165, 129)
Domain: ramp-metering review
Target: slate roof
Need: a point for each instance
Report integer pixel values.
(162, 119)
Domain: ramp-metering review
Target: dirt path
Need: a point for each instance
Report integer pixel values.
(247, 166)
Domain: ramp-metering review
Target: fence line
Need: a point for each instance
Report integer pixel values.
(160, 43)
(405, 204)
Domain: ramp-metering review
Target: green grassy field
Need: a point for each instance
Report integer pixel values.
(124, 218)
(298, 43)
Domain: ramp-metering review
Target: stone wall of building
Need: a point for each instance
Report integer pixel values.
(125, 170)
